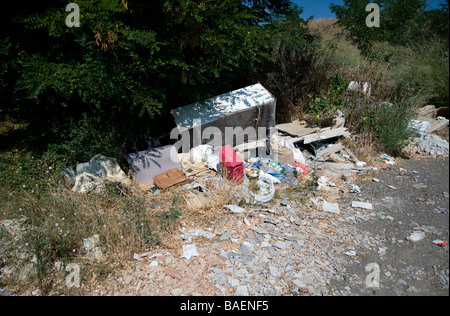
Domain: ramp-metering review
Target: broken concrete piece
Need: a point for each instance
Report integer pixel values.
(334, 174)
(350, 253)
(366, 206)
(235, 209)
(173, 273)
(433, 145)
(426, 113)
(317, 137)
(336, 166)
(416, 236)
(68, 175)
(282, 154)
(93, 174)
(86, 183)
(437, 125)
(421, 127)
(331, 207)
(91, 245)
(297, 128)
(189, 251)
(103, 167)
(198, 200)
(328, 150)
(339, 120)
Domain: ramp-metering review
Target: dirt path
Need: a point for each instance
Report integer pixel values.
(420, 203)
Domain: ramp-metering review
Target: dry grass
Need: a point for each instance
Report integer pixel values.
(127, 220)
(326, 28)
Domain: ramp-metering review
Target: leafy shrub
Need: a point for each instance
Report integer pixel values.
(324, 106)
(110, 84)
(390, 124)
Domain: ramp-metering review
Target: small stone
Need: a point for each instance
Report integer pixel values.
(176, 292)
(128, 280)
(274, 272)
(173, 273)
(402, 282)
(331, 207)
(280, 245)
(242, 291)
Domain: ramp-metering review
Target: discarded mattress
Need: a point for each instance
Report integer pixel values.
(145, 165)
(238, 110)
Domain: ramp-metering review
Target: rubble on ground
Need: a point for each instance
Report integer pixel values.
(426, 123)
(265, 248)
(92, 176)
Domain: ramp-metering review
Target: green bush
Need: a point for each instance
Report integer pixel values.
(392, 127)
(110, 84)
(410, 47)
(324, 106)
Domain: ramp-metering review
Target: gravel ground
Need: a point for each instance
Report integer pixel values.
(296, 248)
(421, 204)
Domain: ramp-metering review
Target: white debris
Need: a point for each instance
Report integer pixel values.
(331, 207)
(235, 209)
(350, 253)
(421, 127)
(433, 145)
(242, 291)
(91, 246)
(416, 236)
(387, 159)
(136, 256)
(188, 236)
(356, 189)
(266, 188)
(189, 251)
(366, 206)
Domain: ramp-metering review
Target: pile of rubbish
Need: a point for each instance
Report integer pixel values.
(293, 154)
(429, 121)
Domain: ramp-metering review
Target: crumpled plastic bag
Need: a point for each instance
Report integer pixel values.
(266, 188)
(201, 153)
(416, 236)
